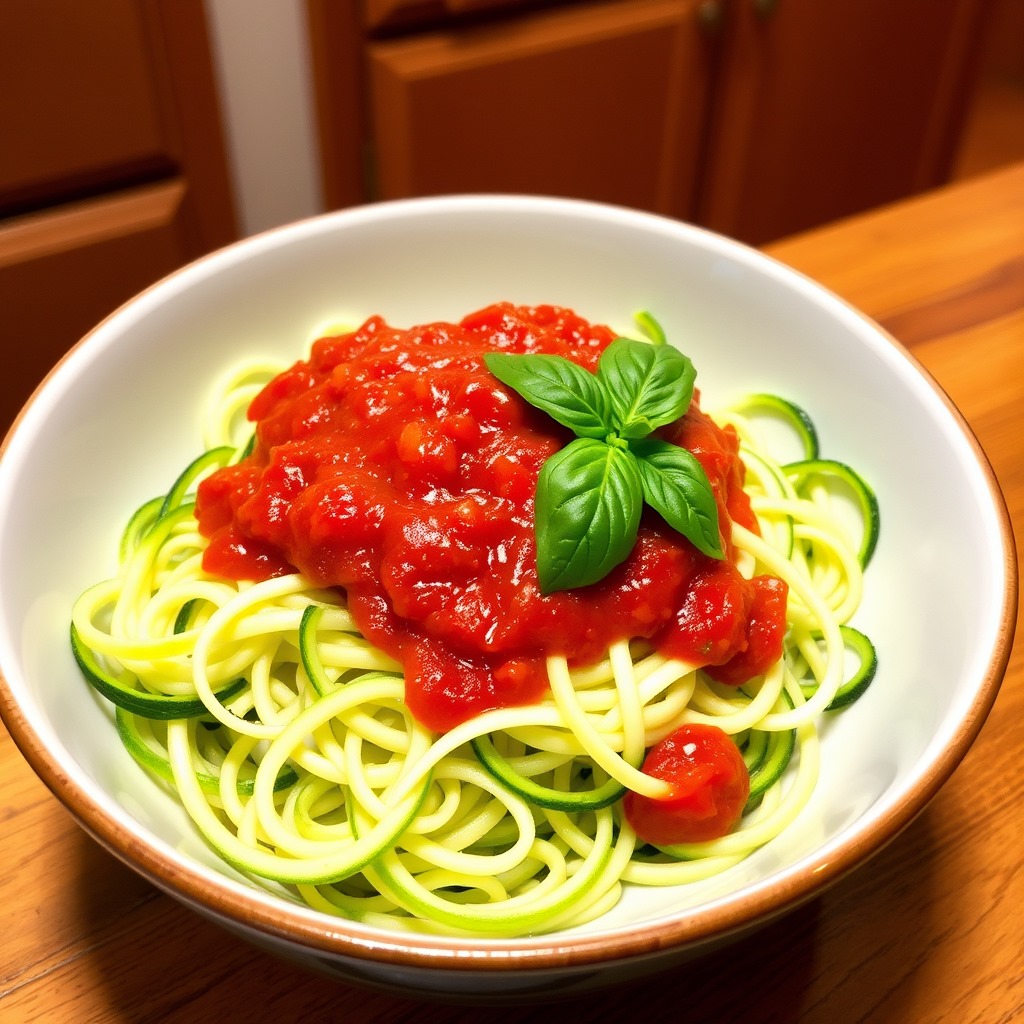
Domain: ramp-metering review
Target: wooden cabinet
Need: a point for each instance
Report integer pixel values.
(606, 102)
(112, 167)
(755, 117)
(823, 109)
(87, 113)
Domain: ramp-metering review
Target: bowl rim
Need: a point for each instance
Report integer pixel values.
(257, 912)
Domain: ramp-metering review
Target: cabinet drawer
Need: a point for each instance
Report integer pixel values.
(62, 271)
(79, 102)
(603, 102)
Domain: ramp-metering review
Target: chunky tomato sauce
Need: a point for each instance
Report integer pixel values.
(393, 465)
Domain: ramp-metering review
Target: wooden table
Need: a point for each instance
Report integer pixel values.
(931, 930)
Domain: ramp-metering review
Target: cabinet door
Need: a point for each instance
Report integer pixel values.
(79, 108)
(598, 102)
(63, 271)
(827, 108)
(112, 167)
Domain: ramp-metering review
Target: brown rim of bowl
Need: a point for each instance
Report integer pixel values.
(338, 937)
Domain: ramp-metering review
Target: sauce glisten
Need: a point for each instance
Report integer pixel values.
(393, 465)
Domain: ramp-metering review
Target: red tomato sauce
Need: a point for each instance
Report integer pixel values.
(709, 788)
(393, 465)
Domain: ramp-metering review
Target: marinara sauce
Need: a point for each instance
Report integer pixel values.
(393, 465)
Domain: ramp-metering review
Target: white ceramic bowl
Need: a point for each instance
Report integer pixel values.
(119, 415)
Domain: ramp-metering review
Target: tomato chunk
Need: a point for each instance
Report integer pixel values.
(710, 786)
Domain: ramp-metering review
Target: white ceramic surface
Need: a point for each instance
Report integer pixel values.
(119, 416)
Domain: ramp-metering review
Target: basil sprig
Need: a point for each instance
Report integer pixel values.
(590, 493)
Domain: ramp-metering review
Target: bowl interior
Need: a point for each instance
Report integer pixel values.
(120, 416)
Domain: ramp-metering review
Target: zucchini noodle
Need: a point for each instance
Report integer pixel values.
(285, 735)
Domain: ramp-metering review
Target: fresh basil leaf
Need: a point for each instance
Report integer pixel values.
(649, 385)
(590, 494)
(589, 498)
(565, 391)
(676, 486)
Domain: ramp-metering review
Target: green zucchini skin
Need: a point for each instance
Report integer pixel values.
(800, 473)
(855, 686)
(159, 706)
(543, 796)
(790, 413)
(160, 766)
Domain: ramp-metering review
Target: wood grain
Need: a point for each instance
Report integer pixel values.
(113, 170)
(929, 932)
(823, 109)
(477, 109)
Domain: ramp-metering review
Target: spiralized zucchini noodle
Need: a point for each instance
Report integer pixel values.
(284, 732)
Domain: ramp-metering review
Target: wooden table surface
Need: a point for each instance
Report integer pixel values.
(932, 929)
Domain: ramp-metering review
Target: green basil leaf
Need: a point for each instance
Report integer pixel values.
(676, 486)
(649, 385)
(589, 498)
(565, 391)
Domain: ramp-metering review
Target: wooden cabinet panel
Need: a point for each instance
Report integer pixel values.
(826, 109)
(62, 272)
(112, 167)
(757, 118)
(78, 104)
(599, 102)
